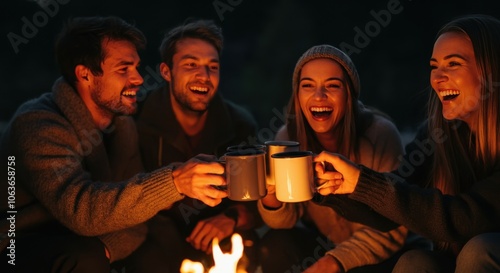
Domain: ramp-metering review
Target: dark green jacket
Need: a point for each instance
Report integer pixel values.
(162, 141)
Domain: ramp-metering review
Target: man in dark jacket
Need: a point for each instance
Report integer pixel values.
(188, 116)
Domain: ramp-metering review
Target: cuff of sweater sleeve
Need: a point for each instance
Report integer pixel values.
(122, 243)
(345, 258)
(281, 217)
(334, 255)
(372, 187)
(162, 191)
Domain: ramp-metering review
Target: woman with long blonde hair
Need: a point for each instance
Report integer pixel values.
(454, 160)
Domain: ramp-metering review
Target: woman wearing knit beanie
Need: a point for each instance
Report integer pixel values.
(325, 114)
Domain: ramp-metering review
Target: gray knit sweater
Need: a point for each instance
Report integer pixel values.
(88, 180)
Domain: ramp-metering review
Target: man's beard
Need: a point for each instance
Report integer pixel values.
(184, 101)
(111, 107)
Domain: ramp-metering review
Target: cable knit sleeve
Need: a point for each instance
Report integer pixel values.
(369, 246)
(444, 215)
(53, 164)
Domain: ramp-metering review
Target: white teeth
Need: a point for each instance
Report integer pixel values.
(321, 109)
(129, 93)
(199, 89)
(449, 93)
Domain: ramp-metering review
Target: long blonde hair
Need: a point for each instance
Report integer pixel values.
(465, 156)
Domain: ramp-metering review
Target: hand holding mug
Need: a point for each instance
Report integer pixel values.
(274, 147)
(270, 200)
(342, 180)
(196, 177)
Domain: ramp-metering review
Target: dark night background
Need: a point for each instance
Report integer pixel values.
(263, 40)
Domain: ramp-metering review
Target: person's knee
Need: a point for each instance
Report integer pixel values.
(480, 247)
(411, 256)
(416, 261)
(480, 254)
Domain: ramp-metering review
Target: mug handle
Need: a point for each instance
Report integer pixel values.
(222, 159)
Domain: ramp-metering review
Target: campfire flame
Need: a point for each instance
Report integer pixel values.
(189, 266)
(224, 262)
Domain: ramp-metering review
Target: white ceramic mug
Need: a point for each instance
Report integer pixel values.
(294, 176)
(273, 147)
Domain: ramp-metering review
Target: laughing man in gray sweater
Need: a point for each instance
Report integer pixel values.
(81, 200)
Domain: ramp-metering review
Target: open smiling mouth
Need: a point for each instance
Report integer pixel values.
(449, 94)
(129, 94)
(321, 112)
(199, 90)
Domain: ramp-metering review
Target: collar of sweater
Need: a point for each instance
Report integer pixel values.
(95, 155)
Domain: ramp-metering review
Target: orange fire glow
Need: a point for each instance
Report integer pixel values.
(224, 262)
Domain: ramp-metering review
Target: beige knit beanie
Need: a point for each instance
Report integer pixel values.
(329, 52)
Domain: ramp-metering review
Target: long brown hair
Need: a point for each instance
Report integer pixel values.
(356, 119)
